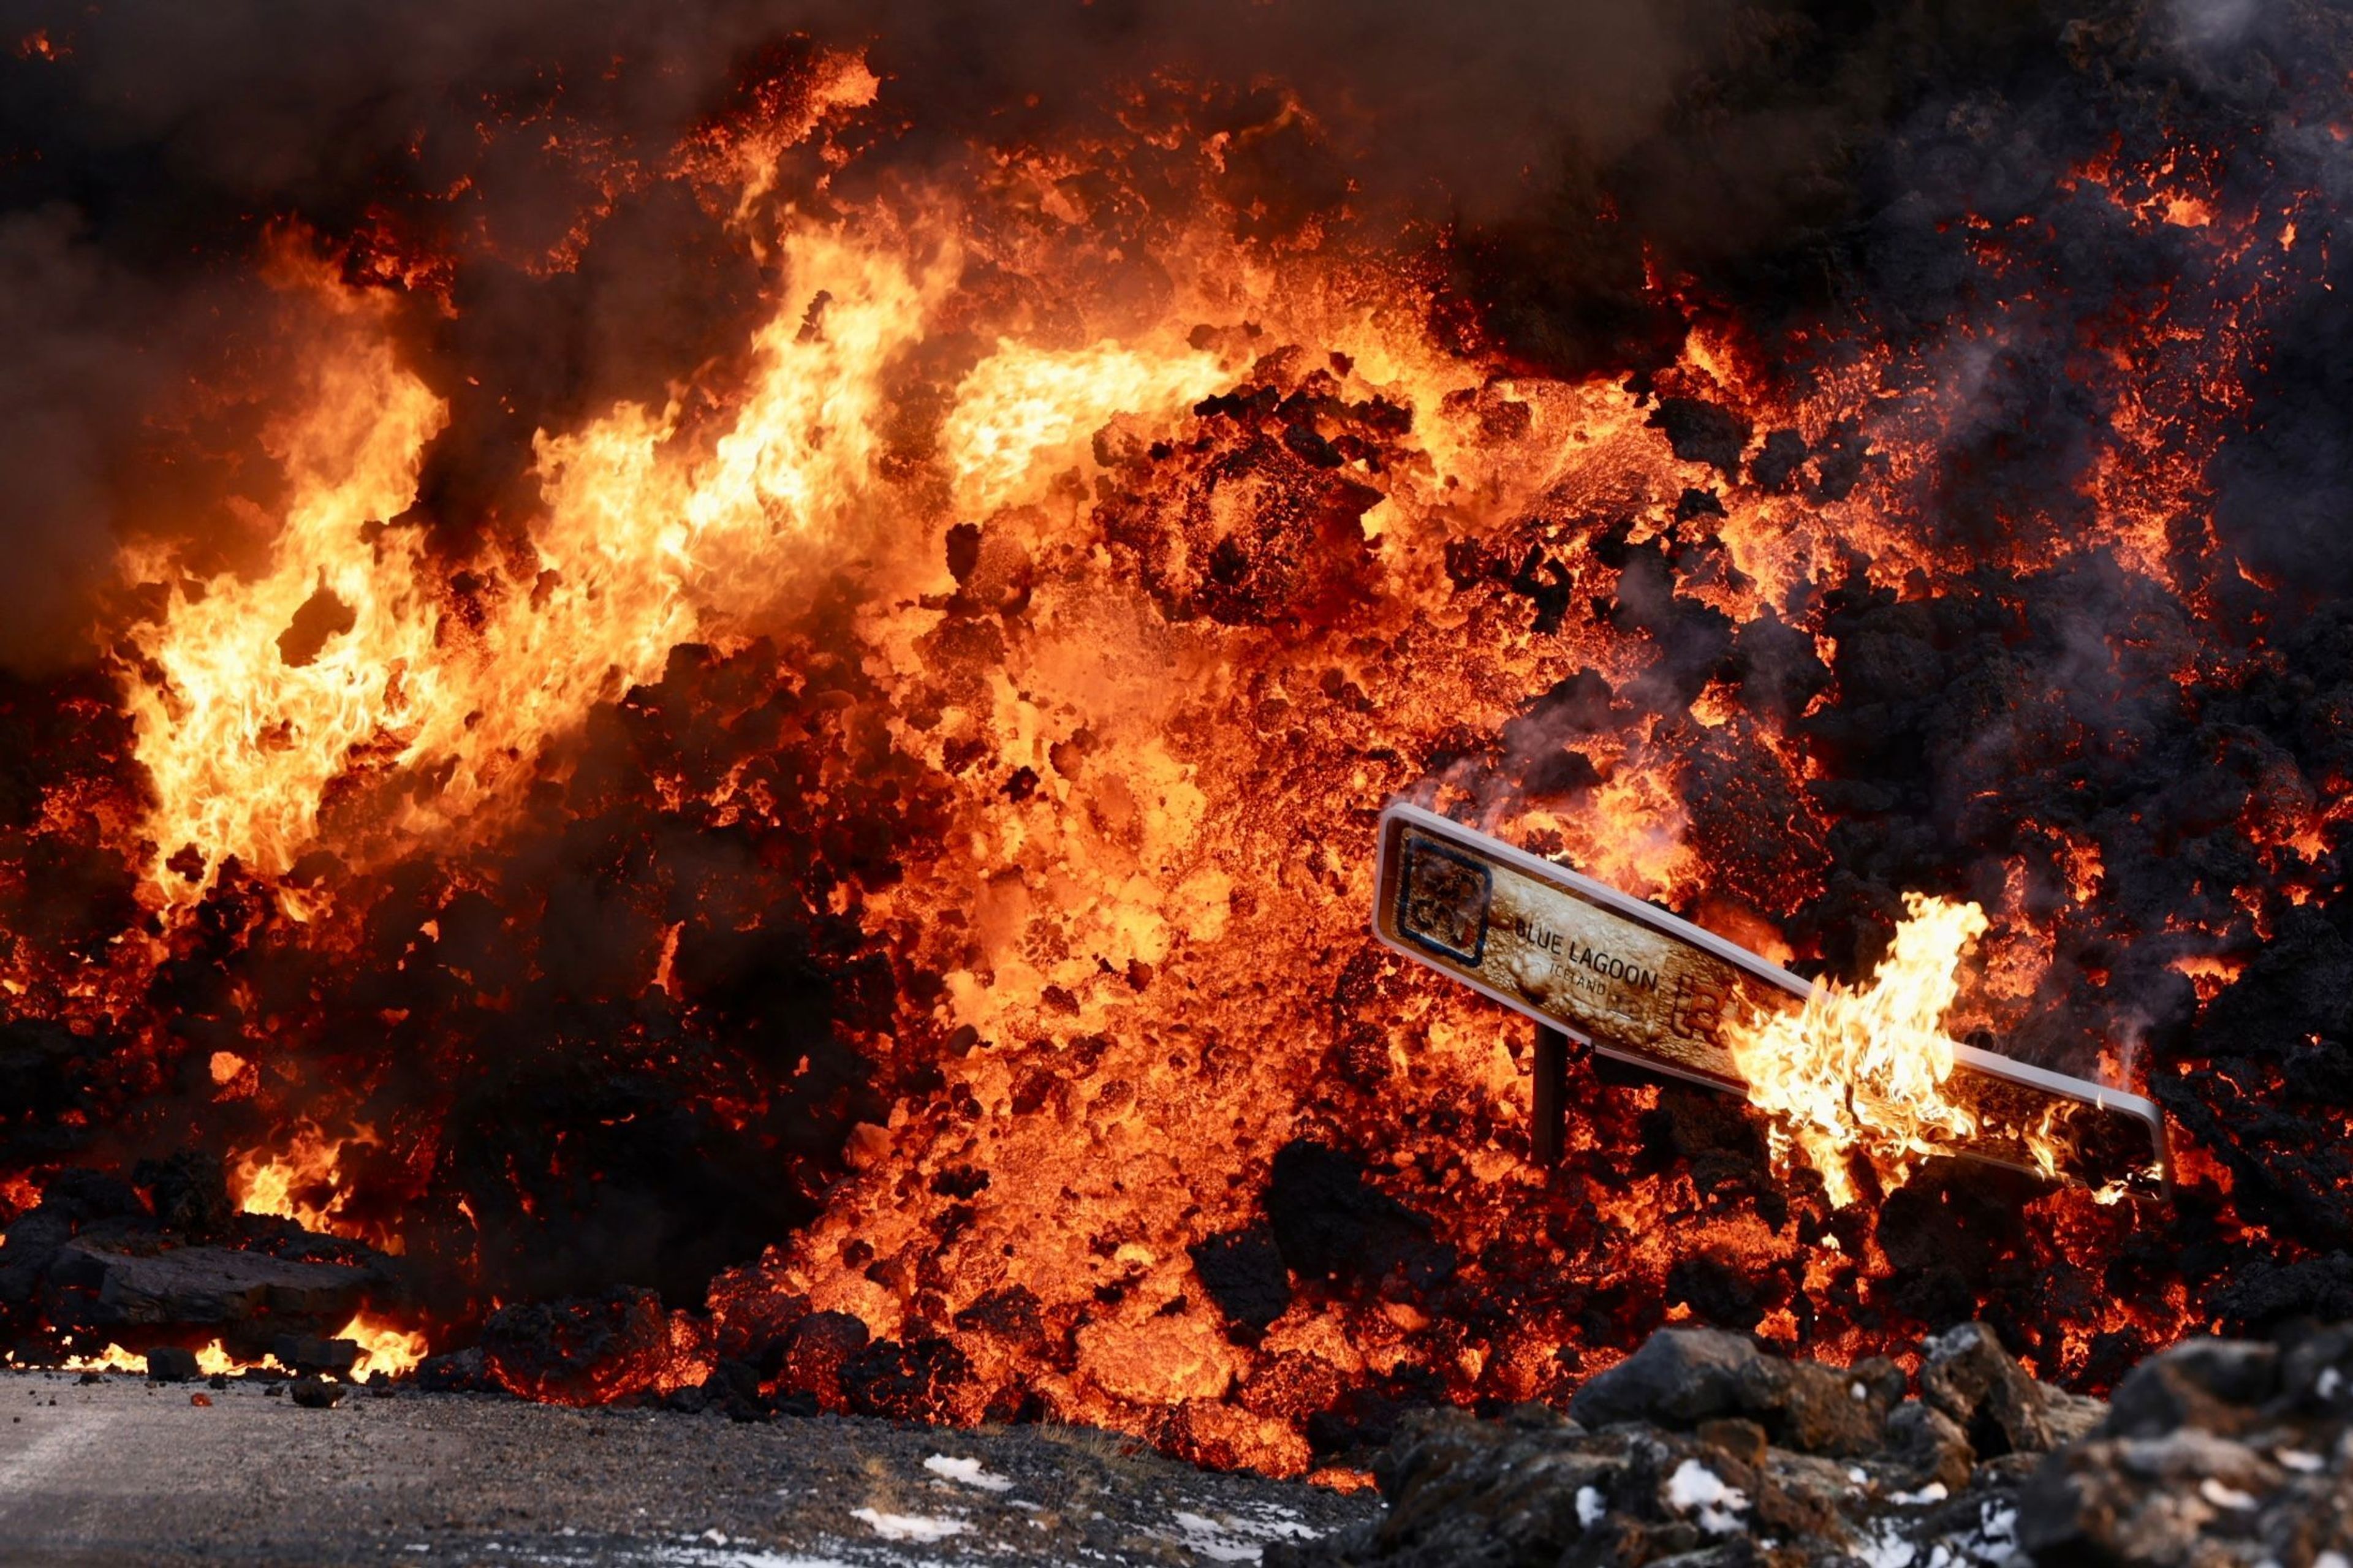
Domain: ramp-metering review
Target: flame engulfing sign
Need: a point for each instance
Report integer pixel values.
(1864, 1070)
(789, 724)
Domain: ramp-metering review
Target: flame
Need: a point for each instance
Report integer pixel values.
(243, 733)
(1024, 413)
(288, 1183)
(213, 1360)
(385, 1351)
(1864, 1071)
(346, 661)
(113, 1358)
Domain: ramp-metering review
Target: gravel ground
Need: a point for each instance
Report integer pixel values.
(122, 1471)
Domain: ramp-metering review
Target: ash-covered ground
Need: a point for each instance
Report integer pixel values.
(123, 1471)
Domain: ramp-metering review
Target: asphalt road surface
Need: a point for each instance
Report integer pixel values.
(125, 1472)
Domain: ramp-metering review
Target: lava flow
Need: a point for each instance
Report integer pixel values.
(727, 732)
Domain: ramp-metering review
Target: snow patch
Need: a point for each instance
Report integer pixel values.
(2222, 1496)
(1589, 1507)
(1695, 1486)
(1238, 1537)
(2297, 1459)
(1932, 1493)
(967, 1473)
(909, 1526)
(1883, 1548)
(1997, 1537)
(740, 1557)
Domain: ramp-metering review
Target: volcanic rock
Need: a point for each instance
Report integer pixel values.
(308, 1353)
(190, 1192)
(734, 1389)
(94, 1285)
(1330, 1221)
(1702, 432)
(578, 1351)
(1686, 1378)
(316, 1394)
(1968, 1377)
(74, 1199)
(2207, 1383)
(906, 1381)
(170, 1364)
(454, 1372)
(1680, 1377)
(814, 1350)
(1929, 1447)
(1243, 1272)
(2217, 1452)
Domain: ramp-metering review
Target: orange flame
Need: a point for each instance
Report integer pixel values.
(385, 1351)
(1864, 1070)
(289, 1182)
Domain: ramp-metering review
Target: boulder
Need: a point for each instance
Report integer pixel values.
(1679, 1378)
(2155, 1501)
(316, 1394)
(2210, 1383)
(1683, 1377)
(1967, 1374)
(170, 1364)
(100, 1287)
(578, 1351)
(308, 1353)
(1929, 1448)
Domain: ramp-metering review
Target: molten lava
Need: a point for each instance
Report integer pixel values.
(838, 859)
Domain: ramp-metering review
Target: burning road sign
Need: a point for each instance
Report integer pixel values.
(1643, 987)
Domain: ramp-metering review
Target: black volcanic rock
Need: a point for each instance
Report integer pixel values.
(1680, 1377)
(1244, 1274)
(315, 1393)
(576, 1349)
(1971, 1379)
(190, 1193)
(2223, 1453)
(1683, 1378)
(1331, 1222)
(814, 1352)
(906, 1381)
(99, 1287)
(2200, 1382)
(309, 1355)
(1702, 432)
(171, 1363)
